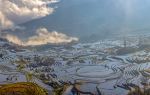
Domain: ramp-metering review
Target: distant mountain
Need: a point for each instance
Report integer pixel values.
(91, 20)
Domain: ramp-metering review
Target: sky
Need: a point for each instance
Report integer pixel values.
(72, 20)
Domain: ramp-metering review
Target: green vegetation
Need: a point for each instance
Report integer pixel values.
(139, 91)
(22, 88)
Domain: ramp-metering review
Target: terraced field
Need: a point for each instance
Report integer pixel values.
(96, 70)
(109, 76)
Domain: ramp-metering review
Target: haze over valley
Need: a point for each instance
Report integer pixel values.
(74, 47)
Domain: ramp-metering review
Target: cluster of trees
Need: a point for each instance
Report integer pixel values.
(41, 61)
(138, 60)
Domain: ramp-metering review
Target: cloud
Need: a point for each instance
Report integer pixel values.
(4, 22)
(43, 36)
(13, 12)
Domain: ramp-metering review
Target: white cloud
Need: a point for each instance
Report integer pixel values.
(13, 12)
(4, 22)
(43, 36)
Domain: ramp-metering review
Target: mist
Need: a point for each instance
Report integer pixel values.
(42, 37)
(88, 20)
(101, 18)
